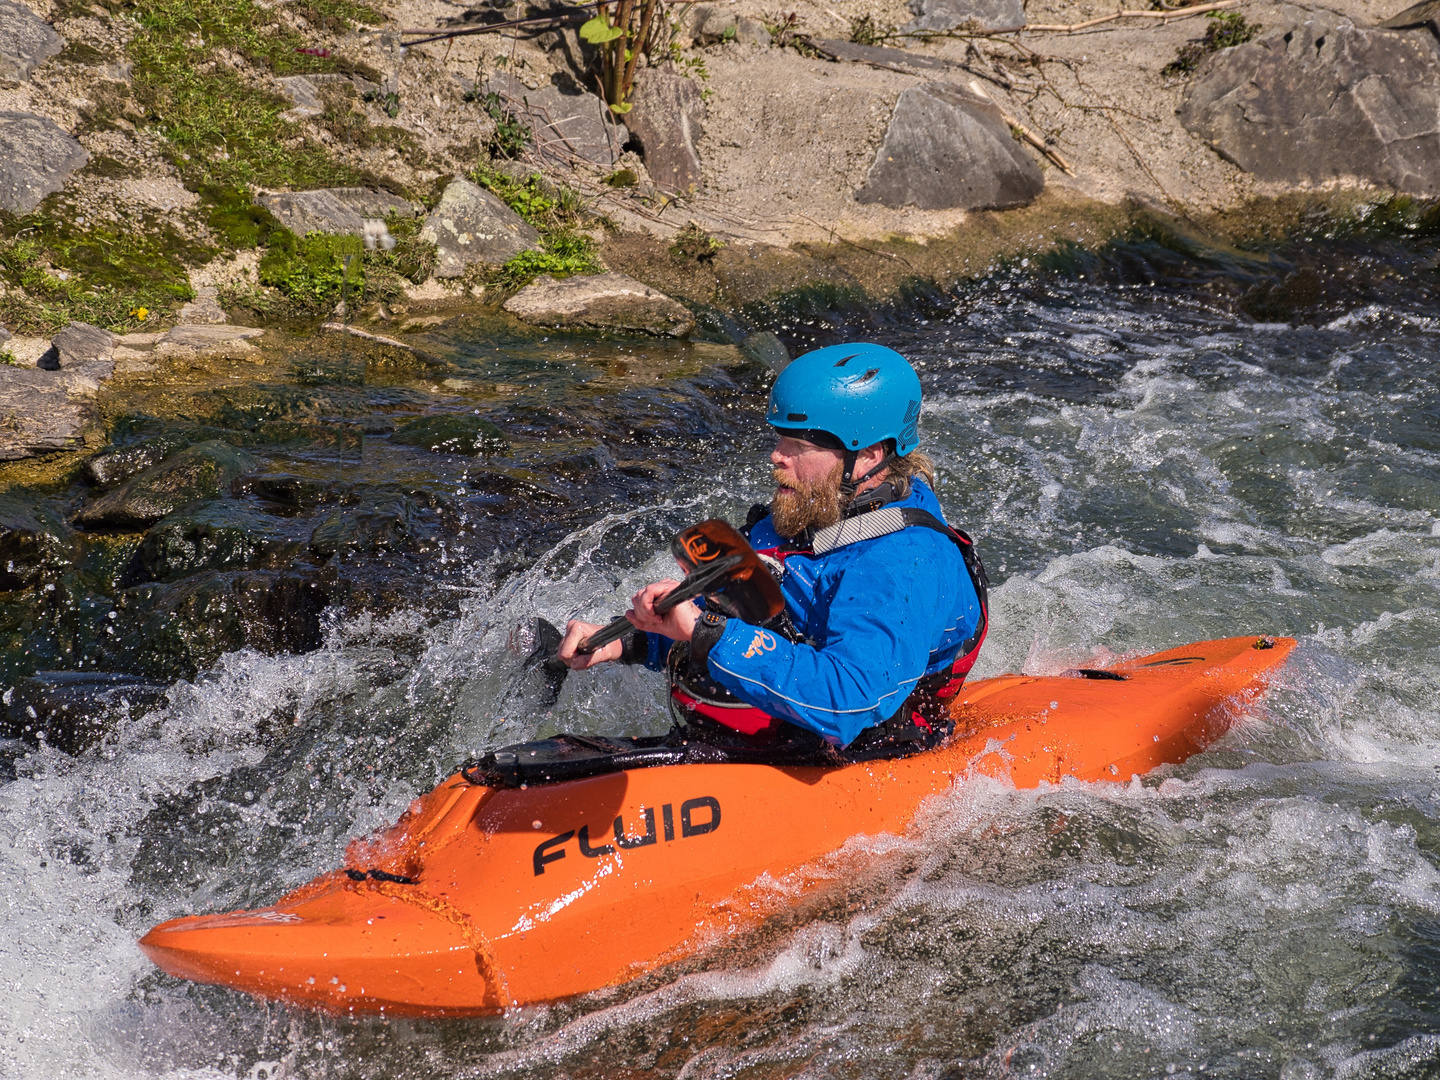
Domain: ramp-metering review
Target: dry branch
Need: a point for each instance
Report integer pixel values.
(1165, 16)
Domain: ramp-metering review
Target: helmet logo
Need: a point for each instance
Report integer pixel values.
(910, 426)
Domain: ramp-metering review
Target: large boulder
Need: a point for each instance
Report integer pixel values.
(204, 471)
(978, 14)
(116, 464)
(666, 117)
(470, 225)
(601, 302)
(950, 149)
(332, 210)
(72, 710)
(218, 535)
(34, 541)
(26, 42)
(565, 126)
(1322, 99)
(36, 158)
(79, 344)
(45, 411)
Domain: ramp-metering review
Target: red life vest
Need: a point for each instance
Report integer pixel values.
(749, 720)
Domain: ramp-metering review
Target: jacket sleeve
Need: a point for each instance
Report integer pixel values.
(886, 611)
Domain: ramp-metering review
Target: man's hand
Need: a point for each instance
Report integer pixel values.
(677, 623)
(576, 632)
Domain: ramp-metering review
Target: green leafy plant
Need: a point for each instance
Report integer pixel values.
(622, 30)
(8, 358)
(864, 30)
(693, 242)
(565, 254)
(512, 135)
(1226, 30)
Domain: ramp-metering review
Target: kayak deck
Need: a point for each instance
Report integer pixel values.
(481, 898)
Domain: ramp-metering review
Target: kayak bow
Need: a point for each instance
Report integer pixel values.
(482, 898)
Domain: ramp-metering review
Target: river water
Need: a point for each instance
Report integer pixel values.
(1142, 467)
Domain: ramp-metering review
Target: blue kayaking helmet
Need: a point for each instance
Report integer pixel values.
(858, 394)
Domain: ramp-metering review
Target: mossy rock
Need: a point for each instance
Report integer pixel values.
(205, 471)
(218, 535)
(34, 542)
(385, 524)
(453, 433)
(116, 464)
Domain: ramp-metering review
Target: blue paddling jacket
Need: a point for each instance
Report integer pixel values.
(874, 616)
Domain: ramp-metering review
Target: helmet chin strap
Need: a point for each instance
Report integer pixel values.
(848, 486)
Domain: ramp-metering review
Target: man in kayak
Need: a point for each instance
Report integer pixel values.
(885, 604)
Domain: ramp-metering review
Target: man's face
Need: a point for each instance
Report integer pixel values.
(807, 486)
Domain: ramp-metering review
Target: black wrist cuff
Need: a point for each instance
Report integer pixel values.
(707, 634)
(634, 647)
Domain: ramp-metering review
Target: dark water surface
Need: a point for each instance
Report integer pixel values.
(1142, 465)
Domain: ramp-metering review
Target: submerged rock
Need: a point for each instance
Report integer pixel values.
(949, 149)
(26, 42)
(666, 119)
(219, 535)
(73, 710)
(203, 471)
(977, 14)
(209, 340)
(1323, 99)
(453, 433)
(34, 540)
(36, 158)
(608, 301)
(116, 464)
(470, 226)
(384, 524)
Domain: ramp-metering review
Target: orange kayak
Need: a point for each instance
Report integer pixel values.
(485, 897)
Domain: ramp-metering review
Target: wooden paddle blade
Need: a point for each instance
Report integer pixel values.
(748, 590)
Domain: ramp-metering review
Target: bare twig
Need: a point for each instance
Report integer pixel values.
(1025, 133)
(1167, 15)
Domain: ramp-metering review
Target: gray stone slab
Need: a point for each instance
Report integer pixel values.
(879, 56)
(80, 343)
(602, 302)
(332, 210)
(302, 94)
(26, 42)
(666, 118)
(1426, 14)
(469, 225)
(565, 125)
(948, 149)
(981, 14)
(44, 411)
(36, 158)
(1322, 99)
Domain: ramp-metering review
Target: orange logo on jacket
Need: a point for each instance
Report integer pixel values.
(764, 642)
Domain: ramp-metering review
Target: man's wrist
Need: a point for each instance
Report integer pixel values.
(707, 634)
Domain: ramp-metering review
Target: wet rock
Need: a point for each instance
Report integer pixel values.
(666, 119)
(565, 126)
(332, 210)
(383, 524)
(78, 344)
(977, 14)
(116, 464)
(190, 624)
(470, 226)
(949, 149)
(216, 342)
(73, 710)
(26, 42)
(287, 489)
(45, 411)
(1321, 100)
(222, 535)
(36, 158)
(204, 471)
(453, 433)
(34, 542)
(602, 302)
(766, 347)
(519, 484)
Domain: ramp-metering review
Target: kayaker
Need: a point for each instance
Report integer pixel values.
(885, 604)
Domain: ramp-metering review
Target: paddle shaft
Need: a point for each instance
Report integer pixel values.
(698, 581)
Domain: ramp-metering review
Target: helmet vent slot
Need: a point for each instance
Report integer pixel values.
(797, 417)
(867, 376)
(845, 360)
